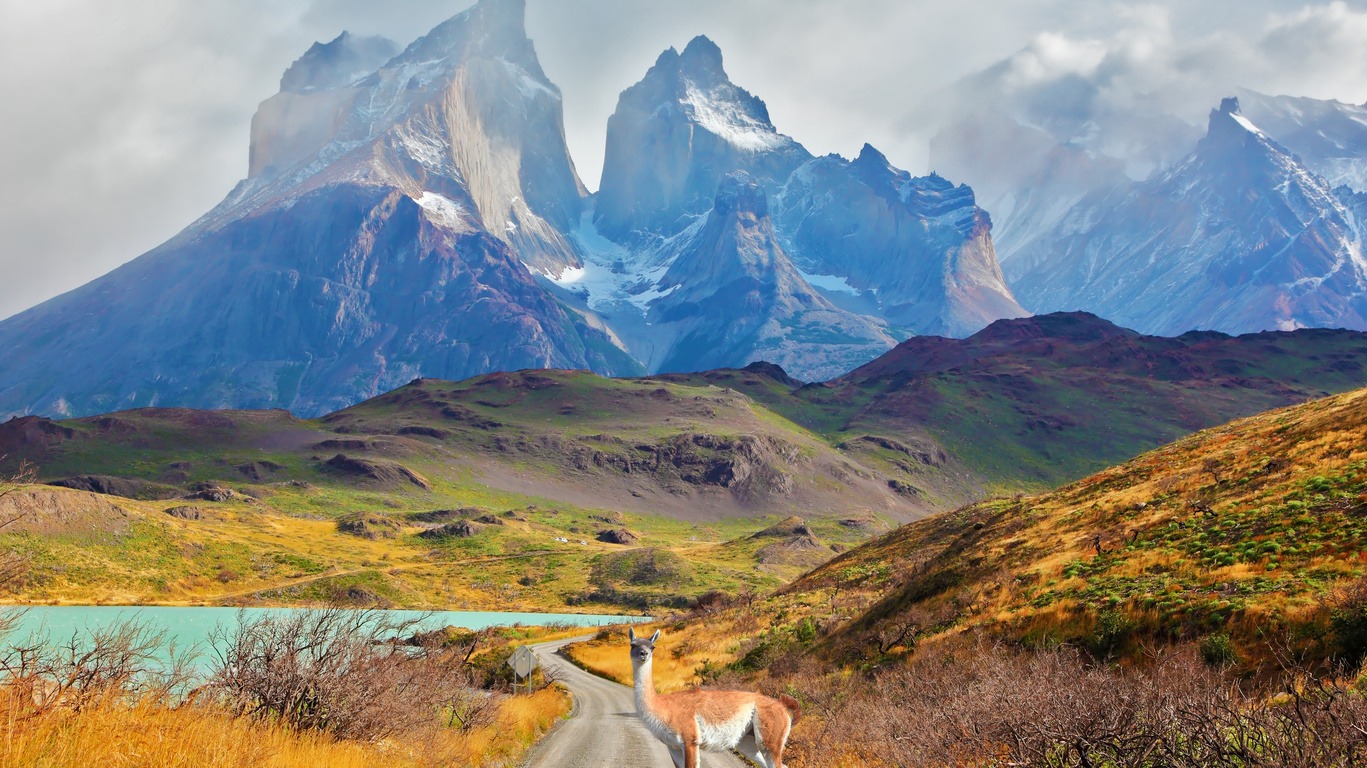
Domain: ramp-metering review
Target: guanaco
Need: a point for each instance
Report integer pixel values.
(713, 721)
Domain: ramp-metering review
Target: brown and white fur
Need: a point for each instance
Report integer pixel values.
(713, 721)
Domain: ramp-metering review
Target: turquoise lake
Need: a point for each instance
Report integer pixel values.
(190, 628)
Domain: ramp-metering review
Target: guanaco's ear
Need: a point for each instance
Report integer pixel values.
(655, 637)
(631, 634)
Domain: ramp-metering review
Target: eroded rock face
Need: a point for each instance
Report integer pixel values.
(385, 473)
(461, 530)
(617, 536)
(674, 137)
(48, 511)
(734, 297)
(128, 488)
(918, 250)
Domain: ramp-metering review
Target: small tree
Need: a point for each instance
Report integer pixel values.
(1214, 468)
(12, 564)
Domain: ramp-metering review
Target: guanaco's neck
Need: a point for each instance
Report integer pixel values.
(644, 681)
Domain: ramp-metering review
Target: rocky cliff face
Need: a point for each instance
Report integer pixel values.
(732, 297)
(317, 94)
(1239, 237)
(673, 138)
(917, 250)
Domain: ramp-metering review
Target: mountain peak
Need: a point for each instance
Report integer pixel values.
(495, 28)
(702, 60)
(1228, 125)
(338, 62)
(872, 168)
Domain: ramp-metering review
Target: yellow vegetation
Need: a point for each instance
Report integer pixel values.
(114, 735)
(1242, 528)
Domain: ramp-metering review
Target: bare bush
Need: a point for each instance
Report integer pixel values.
(985, 705)
(12, 564)
(122, 661)
(344, 672)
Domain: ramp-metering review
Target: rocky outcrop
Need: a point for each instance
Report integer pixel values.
(383, 473)
(128, 488)
(50, 511)
(461, 530)
(368, 526)
(189, 513)
(617, 536)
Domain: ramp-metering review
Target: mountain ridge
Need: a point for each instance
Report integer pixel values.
(1239, 236)
(426, 219)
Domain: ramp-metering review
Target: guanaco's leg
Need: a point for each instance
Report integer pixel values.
(690, 755)
(676, 755)
(749, 747)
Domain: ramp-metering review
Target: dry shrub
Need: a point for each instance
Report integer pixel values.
(121, 662)
(343, 672)
(978, 704)
(12, 564)
(1347, 609)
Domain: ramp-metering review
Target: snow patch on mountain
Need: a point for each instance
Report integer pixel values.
(834, 283)
(612, 275)
(727, 120)
(445, 211)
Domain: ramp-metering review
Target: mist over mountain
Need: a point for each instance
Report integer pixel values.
(1240, 236)
(416, 213)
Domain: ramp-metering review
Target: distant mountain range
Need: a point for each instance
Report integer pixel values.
(1129, 212)
(416, 213)
(1240, 236)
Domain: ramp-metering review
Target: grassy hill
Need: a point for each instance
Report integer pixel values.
(511, 490)
(520, 468)
(1245, 530)
(1200, 578)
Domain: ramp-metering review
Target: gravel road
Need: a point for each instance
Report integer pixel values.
(604, 730)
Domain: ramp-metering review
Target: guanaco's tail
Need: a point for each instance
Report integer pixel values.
(794, 709)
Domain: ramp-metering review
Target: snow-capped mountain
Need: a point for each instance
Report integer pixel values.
(915, 252)
(888, 255)
(416, 213)
(1238, 237)
(731, 261)
(1330, 137)
(382, 235)
(673, 138)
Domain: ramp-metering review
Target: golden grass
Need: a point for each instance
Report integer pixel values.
(1026, 568)
(113, 735)
(683, 647)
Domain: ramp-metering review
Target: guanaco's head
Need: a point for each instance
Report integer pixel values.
(641, 648)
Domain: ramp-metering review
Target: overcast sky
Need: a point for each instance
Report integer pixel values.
(126, 120)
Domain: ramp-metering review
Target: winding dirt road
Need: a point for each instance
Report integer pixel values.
(603, 730)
